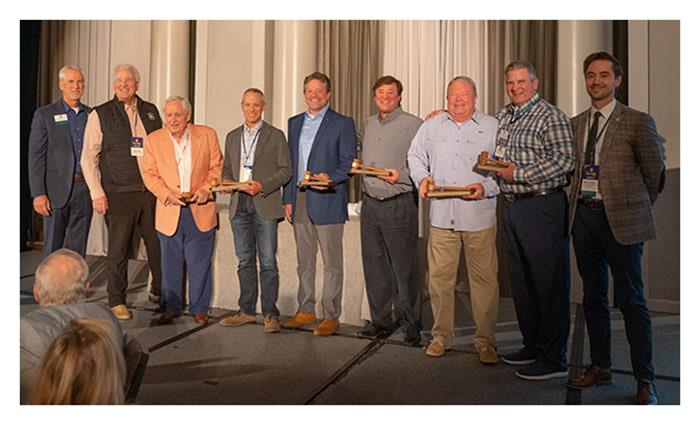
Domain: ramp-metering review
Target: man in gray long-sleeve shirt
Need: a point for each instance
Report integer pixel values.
(389, 219)
(444, 152)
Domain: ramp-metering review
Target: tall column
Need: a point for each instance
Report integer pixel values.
(170, 56)
(577, 39)
(295, 58)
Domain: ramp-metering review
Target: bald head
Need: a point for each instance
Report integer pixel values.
(61, 278)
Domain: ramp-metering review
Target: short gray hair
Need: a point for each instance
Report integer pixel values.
(62, 71)
(61, 278)
(464, 79)
(256, 91)
(522, 64)
(187, 106)
(129, 67)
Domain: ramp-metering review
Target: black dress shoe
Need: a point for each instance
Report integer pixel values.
(412, 337)
(372, 330)
(166, 318)
(646, 393)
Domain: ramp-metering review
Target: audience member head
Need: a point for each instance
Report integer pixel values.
(61, 278)
(83, 365)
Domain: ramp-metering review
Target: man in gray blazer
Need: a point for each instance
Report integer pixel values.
(256, 153)
(61, 283)
(619, 174)
(55, 177)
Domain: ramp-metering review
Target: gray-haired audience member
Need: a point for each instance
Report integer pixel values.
(60, 287)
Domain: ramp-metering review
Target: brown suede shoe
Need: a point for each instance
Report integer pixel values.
(646, 393)
(593, 375)
(272, 324)
(121, 312)
(327, 327)
(236, 320)
(487, 355)
(299, 319)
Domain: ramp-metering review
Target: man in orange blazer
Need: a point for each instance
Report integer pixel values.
(177, 159)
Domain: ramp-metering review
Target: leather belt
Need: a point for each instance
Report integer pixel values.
(391, 198)
(594, 204)
(78, 176)
(511, 197)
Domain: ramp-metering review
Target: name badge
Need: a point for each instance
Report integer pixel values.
(137, 146)
(500, 152)
(60, 119)
(589, 181)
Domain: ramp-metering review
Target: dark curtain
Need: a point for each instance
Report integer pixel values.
(349, 53)
(30, 33)
(534, 41)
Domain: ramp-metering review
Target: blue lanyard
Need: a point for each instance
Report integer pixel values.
(252, 145)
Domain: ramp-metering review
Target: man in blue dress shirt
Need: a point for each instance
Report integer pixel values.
(322, 142)
(444, 152)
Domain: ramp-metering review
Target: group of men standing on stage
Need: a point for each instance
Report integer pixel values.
(594, 177)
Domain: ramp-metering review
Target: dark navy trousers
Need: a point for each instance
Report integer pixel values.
(596, 249)
(71, 223)
(192, 249)
(535, 231)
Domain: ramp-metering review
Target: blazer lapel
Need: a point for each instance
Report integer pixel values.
(611, 131)
(580, 135)
(236, 153)
(64, 129)
(262, 140)
(195, 147)
(324, 125)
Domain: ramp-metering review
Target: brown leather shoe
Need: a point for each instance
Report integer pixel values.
(487, 355)
(435, 349)
(299, 319)
(327, 327)
(593, 375)
(166, 318)
(646, 393)
(201, 318)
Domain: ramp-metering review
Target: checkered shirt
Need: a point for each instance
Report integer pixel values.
(537, 138)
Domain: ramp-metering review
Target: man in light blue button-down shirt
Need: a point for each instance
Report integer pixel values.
(444, 152)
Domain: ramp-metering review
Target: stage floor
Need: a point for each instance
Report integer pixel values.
(189, 364)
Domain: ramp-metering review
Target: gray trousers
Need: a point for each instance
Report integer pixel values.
(308, 238)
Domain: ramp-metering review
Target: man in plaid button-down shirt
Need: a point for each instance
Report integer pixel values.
(535, 138)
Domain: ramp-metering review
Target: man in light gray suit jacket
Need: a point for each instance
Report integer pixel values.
(256, 153)
(619, 175)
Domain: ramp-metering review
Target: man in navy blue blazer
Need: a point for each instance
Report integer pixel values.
(322, 142)
(56, 179)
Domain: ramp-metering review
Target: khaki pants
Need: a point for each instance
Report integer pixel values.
(482, 263)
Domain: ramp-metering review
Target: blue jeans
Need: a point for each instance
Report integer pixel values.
(596, 249)
(252, 233)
